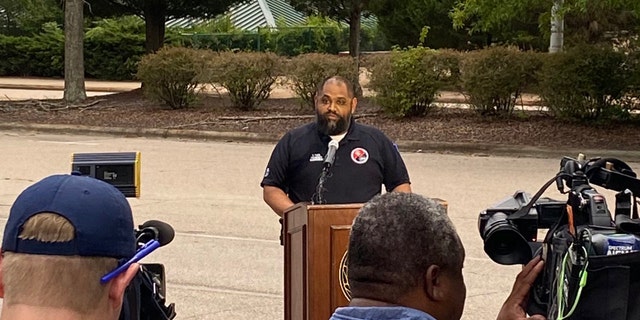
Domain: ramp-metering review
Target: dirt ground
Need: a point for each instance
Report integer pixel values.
(131, 109)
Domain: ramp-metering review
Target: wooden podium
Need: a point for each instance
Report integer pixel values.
(316, 238)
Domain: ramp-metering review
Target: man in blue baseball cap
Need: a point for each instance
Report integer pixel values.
(63, 234)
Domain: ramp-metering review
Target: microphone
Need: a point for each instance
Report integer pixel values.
(331, 154)
(156, 230)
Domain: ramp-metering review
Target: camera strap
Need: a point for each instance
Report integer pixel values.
(524, 210)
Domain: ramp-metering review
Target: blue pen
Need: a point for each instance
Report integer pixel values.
(142, 252)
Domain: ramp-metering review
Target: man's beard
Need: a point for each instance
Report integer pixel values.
(332, 127)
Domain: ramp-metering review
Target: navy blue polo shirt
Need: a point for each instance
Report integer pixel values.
(365, 160)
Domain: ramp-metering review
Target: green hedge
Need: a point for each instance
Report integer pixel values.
(108, 55)
(493, 79)
(173, 75)
(248, 77)
(306, 71)
(113, 48)
(587, 83)
(407, 81)
(40, 55)
(290, 41)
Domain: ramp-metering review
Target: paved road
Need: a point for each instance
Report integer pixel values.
(225, 262)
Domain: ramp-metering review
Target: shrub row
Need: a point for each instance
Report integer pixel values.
(583, 83)
(174, 75)
(113, 50)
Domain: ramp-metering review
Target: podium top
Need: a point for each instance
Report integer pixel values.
(347, 206)
(310, 206)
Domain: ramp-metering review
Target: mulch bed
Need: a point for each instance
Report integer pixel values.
(131, 109)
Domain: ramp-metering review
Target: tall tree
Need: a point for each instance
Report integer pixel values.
(28, 16)
(579, 16)
(74, 89)
(349, 11)
(402, 25)
(157, 12)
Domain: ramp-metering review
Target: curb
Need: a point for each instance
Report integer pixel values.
(472, 149)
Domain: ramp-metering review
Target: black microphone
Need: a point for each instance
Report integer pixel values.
(156, 230)
(331, 154)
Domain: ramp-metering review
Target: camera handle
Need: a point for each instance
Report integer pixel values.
(524, 210)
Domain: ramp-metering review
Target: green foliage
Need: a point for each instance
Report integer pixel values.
(494, 78)
(156, 13)
(336, 9)
(287, 41)
(407, 81)
(514, 22)
(26, 17)
(293, 41)
(12, 59)
(586, 83)
(38, 55)
(305, 72)
(219, 25)
(172, 75)
(172, 8)
(114, 47)
(372, 38)
(631, 101)
(234, 40)
(404, 25)
(247, 77)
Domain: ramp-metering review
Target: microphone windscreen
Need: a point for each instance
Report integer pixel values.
(334, 143)
(165, 230)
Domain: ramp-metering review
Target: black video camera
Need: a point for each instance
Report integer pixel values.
(590, 257)
(145, 297)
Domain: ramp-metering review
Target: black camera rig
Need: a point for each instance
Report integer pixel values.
(582, 239)
(145, 297)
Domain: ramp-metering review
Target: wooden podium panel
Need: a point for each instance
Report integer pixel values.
(315, 240)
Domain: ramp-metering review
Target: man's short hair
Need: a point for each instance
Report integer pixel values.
(394, 239)
(53, 281)
(339, 79)
(63, 234)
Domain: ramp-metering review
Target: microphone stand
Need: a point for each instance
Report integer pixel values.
(317, 197)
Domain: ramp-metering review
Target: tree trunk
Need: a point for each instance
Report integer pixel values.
(354, 42)
(556, 40)
(74, 89)
(155, 12)
(354, 32)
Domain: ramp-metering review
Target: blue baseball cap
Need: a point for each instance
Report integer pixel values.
(99, 212)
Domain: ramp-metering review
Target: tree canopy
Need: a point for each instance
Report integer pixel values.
(349, 11)
(585, 20)
(402, 25)
(28, 16)
(157, 12)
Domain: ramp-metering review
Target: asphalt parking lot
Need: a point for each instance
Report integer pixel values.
(226, 262)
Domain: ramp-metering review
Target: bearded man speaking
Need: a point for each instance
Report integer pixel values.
(351, 161)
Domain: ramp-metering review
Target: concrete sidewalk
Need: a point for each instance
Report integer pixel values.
(58, 84)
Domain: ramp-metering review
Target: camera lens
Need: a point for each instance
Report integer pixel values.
(503, 243)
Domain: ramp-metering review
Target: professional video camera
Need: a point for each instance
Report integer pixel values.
(592, 262)
(145, 297)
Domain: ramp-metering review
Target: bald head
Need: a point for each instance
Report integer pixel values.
(336, 80)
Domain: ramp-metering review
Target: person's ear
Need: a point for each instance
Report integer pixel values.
(354, 104)
(433, 284)
(119, 285)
